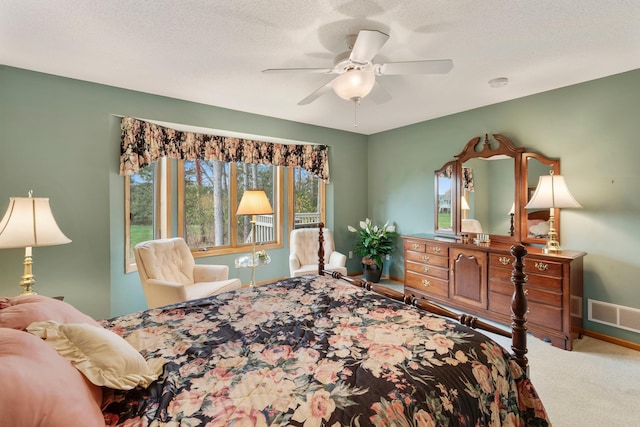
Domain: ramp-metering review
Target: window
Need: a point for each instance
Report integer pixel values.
(306, 198)
(140, 209)
(208, 195)
(248, 177)
(206, 204)
(207, 198)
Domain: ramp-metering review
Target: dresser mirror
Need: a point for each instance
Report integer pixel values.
(533, 223)
(446, 208)
(484, 191)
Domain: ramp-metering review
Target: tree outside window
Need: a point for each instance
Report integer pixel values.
(140, 210)
(306, 197)
(210, 188)
(206, 203)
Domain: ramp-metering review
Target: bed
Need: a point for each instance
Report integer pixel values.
(313, 351)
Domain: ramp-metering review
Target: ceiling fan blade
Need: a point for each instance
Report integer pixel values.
(367, 45)
(437, 66)
(300, 70)
(317, 93)
(379, 94)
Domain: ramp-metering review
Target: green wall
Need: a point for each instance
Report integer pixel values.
(60, 137)
(592, 127)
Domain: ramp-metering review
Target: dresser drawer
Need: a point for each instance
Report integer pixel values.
(539, 314)
(423, 258)
(501, 261)
(427, 284)
(533, 280)
(429, 270)
(437, 249)
(533, 294)
(539, 266)
(544, 282)
(414, 245)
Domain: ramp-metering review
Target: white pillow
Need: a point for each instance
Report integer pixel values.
(104, 357)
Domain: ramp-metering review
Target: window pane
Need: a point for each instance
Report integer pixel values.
(256, 177)
(206, 203)
(306, 197)
(141, 207)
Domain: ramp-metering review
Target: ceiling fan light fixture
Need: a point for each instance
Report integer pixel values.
(354, 85)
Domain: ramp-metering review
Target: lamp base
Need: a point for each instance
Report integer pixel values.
(27, 280)
(552, 246)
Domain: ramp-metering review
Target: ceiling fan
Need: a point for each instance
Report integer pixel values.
(357, 73)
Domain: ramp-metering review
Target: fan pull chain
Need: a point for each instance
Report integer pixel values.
(355, 113)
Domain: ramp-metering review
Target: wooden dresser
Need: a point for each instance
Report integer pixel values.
(477, 280)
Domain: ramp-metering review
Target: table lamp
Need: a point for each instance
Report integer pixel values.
(254, 202)
(29, 223)
(552, 193)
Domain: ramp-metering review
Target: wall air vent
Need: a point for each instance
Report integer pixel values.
(614, 315)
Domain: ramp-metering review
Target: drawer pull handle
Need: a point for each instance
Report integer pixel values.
(425, 282)
(541, 266)
(436, 249)
(526, 291)
(504, 260)
(425, 258)
(416, 246)
(426, 269)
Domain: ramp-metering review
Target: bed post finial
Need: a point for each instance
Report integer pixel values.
(320, 248)
(519, 308)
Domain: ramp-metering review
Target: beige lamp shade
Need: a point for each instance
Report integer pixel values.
(254, 202)
(354, 85)
(29, 222)
(552, 192)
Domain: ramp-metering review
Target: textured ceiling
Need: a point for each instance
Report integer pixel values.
(212, 52)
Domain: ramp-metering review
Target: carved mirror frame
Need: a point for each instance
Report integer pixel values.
(485, 148)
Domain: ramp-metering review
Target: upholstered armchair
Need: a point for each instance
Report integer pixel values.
(169, 274)
(303, 256)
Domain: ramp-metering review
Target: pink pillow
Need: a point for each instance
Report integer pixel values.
(19, 312)
(41, 387)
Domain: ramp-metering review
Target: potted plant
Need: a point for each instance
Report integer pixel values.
(373, 243)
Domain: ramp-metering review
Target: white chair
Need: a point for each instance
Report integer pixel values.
(170, 275)
(303, 256)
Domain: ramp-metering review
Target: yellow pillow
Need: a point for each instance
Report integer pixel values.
(104, 357)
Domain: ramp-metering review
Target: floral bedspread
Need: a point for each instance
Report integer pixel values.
(310, 351)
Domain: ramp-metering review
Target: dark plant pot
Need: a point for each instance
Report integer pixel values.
(371, 272)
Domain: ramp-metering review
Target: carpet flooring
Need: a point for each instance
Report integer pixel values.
(596, 384)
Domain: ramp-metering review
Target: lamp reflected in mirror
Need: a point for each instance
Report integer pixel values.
(552, 193)
(464, 206)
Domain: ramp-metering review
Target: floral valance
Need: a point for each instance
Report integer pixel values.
(145, 142)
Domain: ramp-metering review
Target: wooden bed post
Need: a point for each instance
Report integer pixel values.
(519, 308)
(320, 248)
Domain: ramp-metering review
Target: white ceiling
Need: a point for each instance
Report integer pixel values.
(212, 52)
